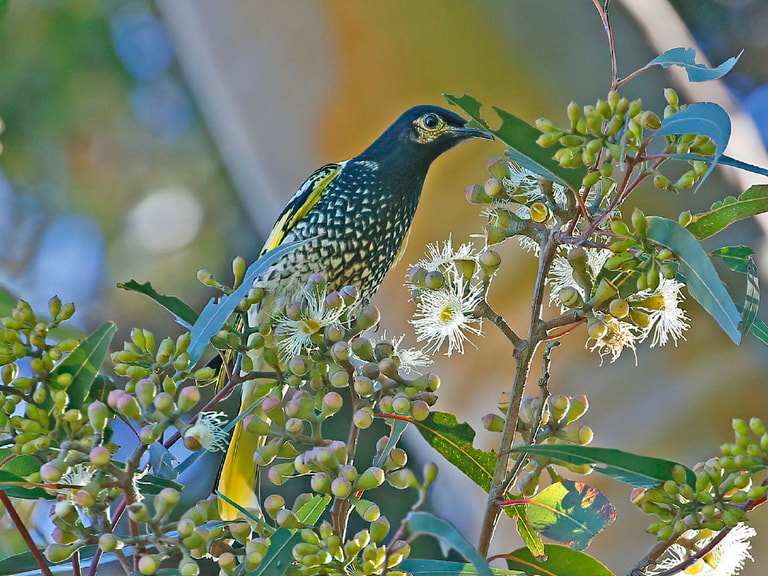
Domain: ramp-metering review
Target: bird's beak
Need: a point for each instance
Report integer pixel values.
(465, 132)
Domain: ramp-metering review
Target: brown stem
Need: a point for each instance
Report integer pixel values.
(26, 536)
(503, 474)
(497, 320)
(603, 12)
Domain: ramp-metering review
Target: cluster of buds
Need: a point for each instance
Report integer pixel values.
(722, 492)
(47, 419)
(322, 551)
(518, 202)
(379, 382)
(553, 423)
(635, 255)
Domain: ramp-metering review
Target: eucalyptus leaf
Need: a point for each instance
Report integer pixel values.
(560, 561)
(706, 119)
(431, 525)
(725, 212)
(735, 257)
(521, 139)
(640, 471)
(215, 314)
(425, 567)
(454, 442)
(701, 278)
(183, 312)
(751, 299)
(83, 364)
(686, 58)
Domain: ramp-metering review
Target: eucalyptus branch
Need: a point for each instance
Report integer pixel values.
(523, 355)
(25, 535)
(485, 311)
(602, 10)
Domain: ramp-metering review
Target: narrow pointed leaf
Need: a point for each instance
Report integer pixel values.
(521, 138)
(83, 363)
(760, 330)
(454, 442)
(529, 536)
(281, 543)
(686, 58)
(700, 275)
(752, 298)
(725, 212)
(7, 302)
(640, 471)
(183, 312)
(706, 119)
(724, 160)
(215, 314)
(735, 257)
(398, 429)
(424, 567)
(431, 525)
(18, 487)
(561, 561)
(570, 513)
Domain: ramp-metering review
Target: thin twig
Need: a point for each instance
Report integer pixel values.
(76, 563)
(502, 473)
(602, 10)
(26, 536)
(497, 320)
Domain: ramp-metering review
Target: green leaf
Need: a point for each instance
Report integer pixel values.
(760, 330)
(101, 387)
(561, 561)
(281, 543)
(215, 314)
(25, 563)
(729, 210)
(454, 442)
(18, 487)
(640, 471)
(570, 513)
(685, 58)
(751, 299)
(529, 536)
(700, 275)
(426, 523)
(521, 138)
(183, 312)
(20, 465)
(424, 567)
(7, 302)
(83, 363)
(735, 257)
(705, 118)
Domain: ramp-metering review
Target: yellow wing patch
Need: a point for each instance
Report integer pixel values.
(302, 202)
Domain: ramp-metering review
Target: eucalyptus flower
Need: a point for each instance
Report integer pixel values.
(667, 319)
(294, 335)
(207, 432)
(725, 559)
(446, 314)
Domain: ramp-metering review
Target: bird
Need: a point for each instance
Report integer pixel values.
(354, 218)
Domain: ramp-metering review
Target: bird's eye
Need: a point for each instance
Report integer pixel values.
(430, 121)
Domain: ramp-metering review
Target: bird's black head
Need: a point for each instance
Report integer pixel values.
(420, 135)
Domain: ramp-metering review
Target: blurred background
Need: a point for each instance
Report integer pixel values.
(146, 140)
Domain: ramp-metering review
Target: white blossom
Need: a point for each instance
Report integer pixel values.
(725, 559)
(445, 314)
(667, 319)
(295, 335)
(209, 431)
(620, 335)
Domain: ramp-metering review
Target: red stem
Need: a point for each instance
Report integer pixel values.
(17, 521)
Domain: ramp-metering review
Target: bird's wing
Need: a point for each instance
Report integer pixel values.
(302, 202)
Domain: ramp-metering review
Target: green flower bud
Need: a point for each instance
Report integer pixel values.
(145, 392)
(476, 194)
(434, 280)
(639, 222)
(51, 472)
(548, 139)
(372, 477)
(597, 329)
(273, 504)
(100, 456)
(543, 125)
(149, 564)
(321, 482)
(618, 308)
(363, 418)
(574, 113)
(757, 426)
(98, 414)
(60, 552)
(590, 179)
(493, 187)
(493, 422)
(570, 297)
(165, 404)
(367, 510)
(332, 403)
(489, 261)
(341, 488)
(368, 318)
